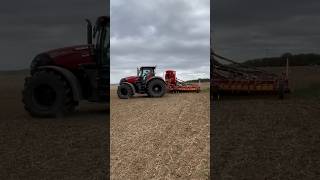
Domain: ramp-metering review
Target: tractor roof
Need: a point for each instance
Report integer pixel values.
(148, 67)
(103, 21)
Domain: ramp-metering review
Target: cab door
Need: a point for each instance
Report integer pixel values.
(103, 60)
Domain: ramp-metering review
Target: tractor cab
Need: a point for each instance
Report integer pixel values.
(146, 72)
(98, 72)
(101, 33)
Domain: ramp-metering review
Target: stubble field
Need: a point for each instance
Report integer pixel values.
(261, 137)
(70, 148)
(160, 138)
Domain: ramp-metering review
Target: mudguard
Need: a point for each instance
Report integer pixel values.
(131, 85)
(71, 78)
(156, 77)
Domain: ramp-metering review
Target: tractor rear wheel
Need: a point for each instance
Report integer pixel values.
(156, 88)
(47, 94)
(125, 91)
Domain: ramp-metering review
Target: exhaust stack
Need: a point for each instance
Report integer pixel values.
(89, 31)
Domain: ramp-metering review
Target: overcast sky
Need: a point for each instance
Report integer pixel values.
(245, 29)
(172, 34)
(30, 27)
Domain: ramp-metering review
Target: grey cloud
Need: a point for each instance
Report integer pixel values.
(245, 29)
(169, 34)
(30, 27)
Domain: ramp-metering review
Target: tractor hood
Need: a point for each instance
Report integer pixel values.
(71, 57)
(66, 51)
(131, 79)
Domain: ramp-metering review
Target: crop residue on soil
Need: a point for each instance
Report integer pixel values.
(164, 137)
(70, 148)
(266, 138)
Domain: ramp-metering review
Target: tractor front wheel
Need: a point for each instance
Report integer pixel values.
(156, 88)
(47, 94)
(125, 91)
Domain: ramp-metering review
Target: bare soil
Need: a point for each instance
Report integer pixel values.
(160, 138)
(70, 148)
(261, 137)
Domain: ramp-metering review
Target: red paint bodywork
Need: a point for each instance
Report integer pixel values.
(72, 57)
(176, 85)
(132, 79)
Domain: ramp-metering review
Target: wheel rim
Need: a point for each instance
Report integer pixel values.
(44, 95)
(124, 91)
(157, 89)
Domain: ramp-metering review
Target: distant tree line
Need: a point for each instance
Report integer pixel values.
(197, 80)
(294, 60)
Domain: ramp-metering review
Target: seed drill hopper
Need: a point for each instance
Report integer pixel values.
(175, 85)
(231, 77)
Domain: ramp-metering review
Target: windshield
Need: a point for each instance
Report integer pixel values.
(146, 72)
(102, 44)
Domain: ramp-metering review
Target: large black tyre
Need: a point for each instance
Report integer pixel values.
(156, 88)
(47, 94)
(125, 91)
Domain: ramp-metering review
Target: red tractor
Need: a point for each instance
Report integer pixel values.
(145, 82)
(59, 79)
